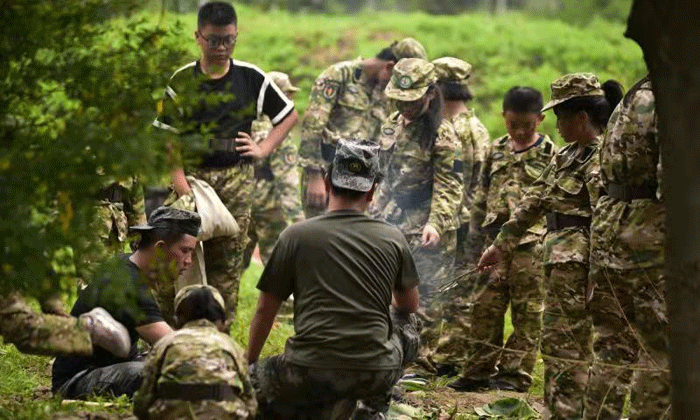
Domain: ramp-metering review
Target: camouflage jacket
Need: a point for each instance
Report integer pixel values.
(196, 354)
(277, 178)
(342, 104)
(475, 142)
(568, 185)
(505, 178)
(626, 235)
(116, 216)
(420, 186)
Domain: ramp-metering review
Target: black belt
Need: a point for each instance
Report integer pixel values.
(114, 194)
(196, 392)
(227, 147)
(559, 221)
(264, 171)
(626, 192)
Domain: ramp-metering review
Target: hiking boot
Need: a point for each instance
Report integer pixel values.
(504, 385)
(106, 332)
(469, 385)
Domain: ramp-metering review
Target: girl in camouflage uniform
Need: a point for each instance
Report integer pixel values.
(566, 191)
(422, 191)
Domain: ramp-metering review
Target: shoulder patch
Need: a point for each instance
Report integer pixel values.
(330, 89)
(290, 158)
(497, 155)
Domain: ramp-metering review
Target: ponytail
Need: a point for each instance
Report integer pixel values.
(432, 119)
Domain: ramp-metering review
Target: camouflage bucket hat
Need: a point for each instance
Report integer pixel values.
(453, 70)
(410, 79)
(408, 48)
(185, 291)
(172, 218)
(356, 165)
(282, 81)
(573, 86)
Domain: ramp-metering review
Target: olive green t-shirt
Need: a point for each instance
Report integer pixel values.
(342, 268)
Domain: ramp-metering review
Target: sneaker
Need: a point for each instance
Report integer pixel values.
(107, 333)
(469, 385)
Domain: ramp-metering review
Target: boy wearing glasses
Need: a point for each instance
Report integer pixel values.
(211, 104)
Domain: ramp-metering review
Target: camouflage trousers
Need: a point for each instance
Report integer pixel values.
(435, 266)
(288, 391)
(566, 340)
(223, 256)
(517, 284)
(630, 328)
(41, 334)
(266, 223)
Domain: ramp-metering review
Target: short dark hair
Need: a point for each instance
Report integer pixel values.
(387, 55)
(217, 13)
(199, 304)
(169, 235)
(452, 91)
(598, 108)
(345, 193)
(523, 99)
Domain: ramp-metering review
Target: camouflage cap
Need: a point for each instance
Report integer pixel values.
(282, 81)
(171, 218)
(356, 164)
(408, 48)
(185, 291)
(573, 86)
(410, 79)
(454, 70)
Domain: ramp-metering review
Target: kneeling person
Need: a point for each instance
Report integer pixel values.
(198, 372)
(165, 251)
(345, 270)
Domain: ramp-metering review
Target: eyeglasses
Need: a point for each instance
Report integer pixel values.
(214, 41)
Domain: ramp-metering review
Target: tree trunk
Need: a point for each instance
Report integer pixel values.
(668, 32)
(500, 7)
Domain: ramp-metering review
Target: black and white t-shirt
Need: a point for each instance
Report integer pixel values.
(194, 103)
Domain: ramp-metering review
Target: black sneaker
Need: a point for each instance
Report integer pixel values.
(504, 385)
(469, 385)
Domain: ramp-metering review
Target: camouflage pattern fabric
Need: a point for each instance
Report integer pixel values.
(573, 85)
(568, 185)
(196, 354)
(627, 263)
(342, 104)
(408, 47)
(566, 340)
(410, 79)
(41, 334)
(435, 266)
(475, 141)
(276, 201)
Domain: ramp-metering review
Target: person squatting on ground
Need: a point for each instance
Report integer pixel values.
(211, 104)
(347, 101)
(355, 287)
(478, 306)
(199, 371)
(628, 305)
(422, 160)
(566, 192)
(126, 293)
(276, 202)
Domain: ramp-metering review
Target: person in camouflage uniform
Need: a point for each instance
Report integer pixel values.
(346, 101)
(276, 201)
(473, 336)
(199, 371)
(55, 335)
(627, 263)
(453, 76)
(567, 192)
(422, 163)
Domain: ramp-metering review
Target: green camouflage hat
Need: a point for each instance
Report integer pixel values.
(185, 291)
(408, 48)
(410, 79)
(282, 81)
(172, 218)
(453, 70)
(573, 86)
(356, 164)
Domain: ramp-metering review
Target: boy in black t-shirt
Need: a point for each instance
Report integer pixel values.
(164, 252)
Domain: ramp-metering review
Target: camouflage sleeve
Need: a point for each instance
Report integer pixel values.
(480, 139)
(284, 166)
(135, 207)
(530, 210)
(447, 184)
(146, 394)
(594, 181)
(323, 97)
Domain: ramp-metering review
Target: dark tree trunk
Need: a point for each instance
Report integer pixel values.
(668, 32)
